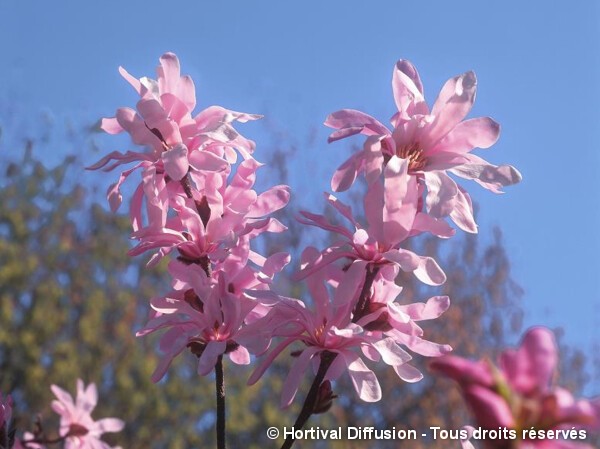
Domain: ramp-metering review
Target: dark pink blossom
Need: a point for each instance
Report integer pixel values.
(521, 393)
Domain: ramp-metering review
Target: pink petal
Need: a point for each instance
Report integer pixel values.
(351, 121)
(465, 443)
(482, 132)
(452, 105)
(240, 356)
(135, 83)
(427, 223)
(266, 362)
(342, 208)
(408, 90)
(391, 353)
(373, 159)
(187, 92)
(174, 107)
(490, 409)
(430, 272)
(441, 193)
(532, 367)
(176, 162)
(349, 287)
(346, 173)
(121, 158)
(407, 260)
(205, 161)
(270, 201)
(209, 356)
(167, 358)
(294, 377)
(62, 395)
(364, 380)
(408, 373)
(321, 222)
(490, 176)
(111, 126)
(464, 371)
(275, 263)
(373, 204)
(400, 199)
(109, 425)
(168, 73)
(89, 398)
(433, 308)
(114, 190)
(462, 214)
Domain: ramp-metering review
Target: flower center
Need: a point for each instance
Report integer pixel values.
(414, 153)
(77, 430)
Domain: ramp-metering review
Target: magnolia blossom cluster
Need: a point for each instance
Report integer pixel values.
(357, 314)
(201, 211)
(77, 429)
(520, 394)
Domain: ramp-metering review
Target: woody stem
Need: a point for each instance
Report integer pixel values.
(327, 359)
(220, 392)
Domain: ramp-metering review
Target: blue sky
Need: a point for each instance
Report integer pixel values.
(537, 62)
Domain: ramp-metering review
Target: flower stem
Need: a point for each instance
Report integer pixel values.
(327, 359)
(220, 391)
(362, 306)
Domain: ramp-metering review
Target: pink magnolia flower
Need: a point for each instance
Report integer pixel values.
(227, 212)
(520, 394)
(209, 319)
(330, 330)
(76, 423)
(392, 217)
(177, 142)
(385, 317)
(433, 142)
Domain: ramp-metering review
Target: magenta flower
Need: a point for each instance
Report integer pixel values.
(392, 216)
(520, 394)
(432, 142)
(76, 423)
(177, 143)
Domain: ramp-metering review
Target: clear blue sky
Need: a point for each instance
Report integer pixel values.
(538, 66)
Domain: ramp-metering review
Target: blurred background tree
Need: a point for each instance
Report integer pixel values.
(71, 300)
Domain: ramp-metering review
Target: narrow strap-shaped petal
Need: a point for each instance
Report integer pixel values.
(364, 380)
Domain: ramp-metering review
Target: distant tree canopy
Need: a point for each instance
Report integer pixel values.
(71, 300)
